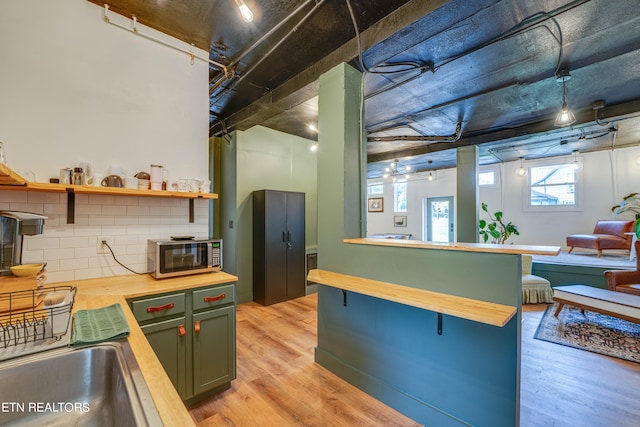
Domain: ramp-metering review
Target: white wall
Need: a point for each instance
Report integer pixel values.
(607, 177)
(75, 89)
(419, 188)
(272, 160)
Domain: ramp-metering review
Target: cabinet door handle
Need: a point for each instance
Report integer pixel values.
(216, 298)
(182, 331)
(160, 307)
(196, 326)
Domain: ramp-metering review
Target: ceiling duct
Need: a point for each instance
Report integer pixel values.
(420, 138)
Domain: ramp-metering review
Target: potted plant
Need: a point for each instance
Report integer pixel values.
(630, 203)
(497, 230)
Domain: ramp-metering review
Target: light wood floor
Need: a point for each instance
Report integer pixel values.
(279, 385)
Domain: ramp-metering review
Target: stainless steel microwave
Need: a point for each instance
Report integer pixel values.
(181, 256)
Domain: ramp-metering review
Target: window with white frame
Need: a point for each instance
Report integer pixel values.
(375, 189)
(554, 184)
(400, 196)
(487, 177)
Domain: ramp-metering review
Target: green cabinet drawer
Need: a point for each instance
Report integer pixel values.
(158, 307)
(214, 296)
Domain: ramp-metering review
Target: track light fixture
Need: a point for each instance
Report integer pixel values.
(565, 117)
(246, 13)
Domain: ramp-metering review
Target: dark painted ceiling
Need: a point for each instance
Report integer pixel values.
(439, 75)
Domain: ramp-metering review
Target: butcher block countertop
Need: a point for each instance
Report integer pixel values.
(95, 293)
(458, 246)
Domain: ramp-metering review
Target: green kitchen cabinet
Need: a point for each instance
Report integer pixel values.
(193, 335)
(170, 348)
(213, 349)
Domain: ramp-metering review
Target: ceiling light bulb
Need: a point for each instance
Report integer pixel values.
(407, 176)
(430, 177)
(408, 168)
(386, 175)
(565, 116)
(246, 13)
(521, 171)
(576, 164)
(313, 128)
(387, 170)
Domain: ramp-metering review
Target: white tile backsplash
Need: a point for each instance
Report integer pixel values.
(70, 249)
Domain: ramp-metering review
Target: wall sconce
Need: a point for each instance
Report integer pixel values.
(576, 164)
(246, 13)
(521, 171)
(565, 117)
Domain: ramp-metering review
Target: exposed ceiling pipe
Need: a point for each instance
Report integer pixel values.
(420, 138)
(523, 26)
(248, 50)
(134, 29)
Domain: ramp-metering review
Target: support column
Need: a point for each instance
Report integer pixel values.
(467, 194)
(341, 154)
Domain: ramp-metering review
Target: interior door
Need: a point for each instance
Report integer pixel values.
(438, 221)
(275, 253)
(296, 274)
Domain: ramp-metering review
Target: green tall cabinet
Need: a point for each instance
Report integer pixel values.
(192, 333)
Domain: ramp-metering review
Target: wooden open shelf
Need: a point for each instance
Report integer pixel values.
(10, 180)
(452, 305)
(112, 191)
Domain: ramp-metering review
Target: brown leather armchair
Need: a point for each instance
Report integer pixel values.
(627, 281)
(607, 234)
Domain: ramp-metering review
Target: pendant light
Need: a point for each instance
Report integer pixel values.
(565, 117)
(576, 164)
(431, 175)
(394, 171)
(521, 171)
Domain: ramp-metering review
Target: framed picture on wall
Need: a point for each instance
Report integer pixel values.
(399, 221)
(376, 204)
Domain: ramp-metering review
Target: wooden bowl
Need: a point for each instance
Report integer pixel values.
(26, 270)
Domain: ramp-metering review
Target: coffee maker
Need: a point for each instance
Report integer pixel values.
(13, 227)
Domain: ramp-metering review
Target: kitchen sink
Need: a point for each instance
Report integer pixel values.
(99, 385)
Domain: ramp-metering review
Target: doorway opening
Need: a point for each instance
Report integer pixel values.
(438, 219)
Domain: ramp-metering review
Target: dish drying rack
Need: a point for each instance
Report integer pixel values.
(27, 326)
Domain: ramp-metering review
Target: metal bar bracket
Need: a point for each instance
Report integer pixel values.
(439, 323)
(344, 297)
(71, 206)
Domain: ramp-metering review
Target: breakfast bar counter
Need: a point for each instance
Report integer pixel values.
(95, 293)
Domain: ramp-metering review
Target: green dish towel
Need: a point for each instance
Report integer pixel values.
(99, 325)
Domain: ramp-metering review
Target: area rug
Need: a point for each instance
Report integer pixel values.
(592, 332)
